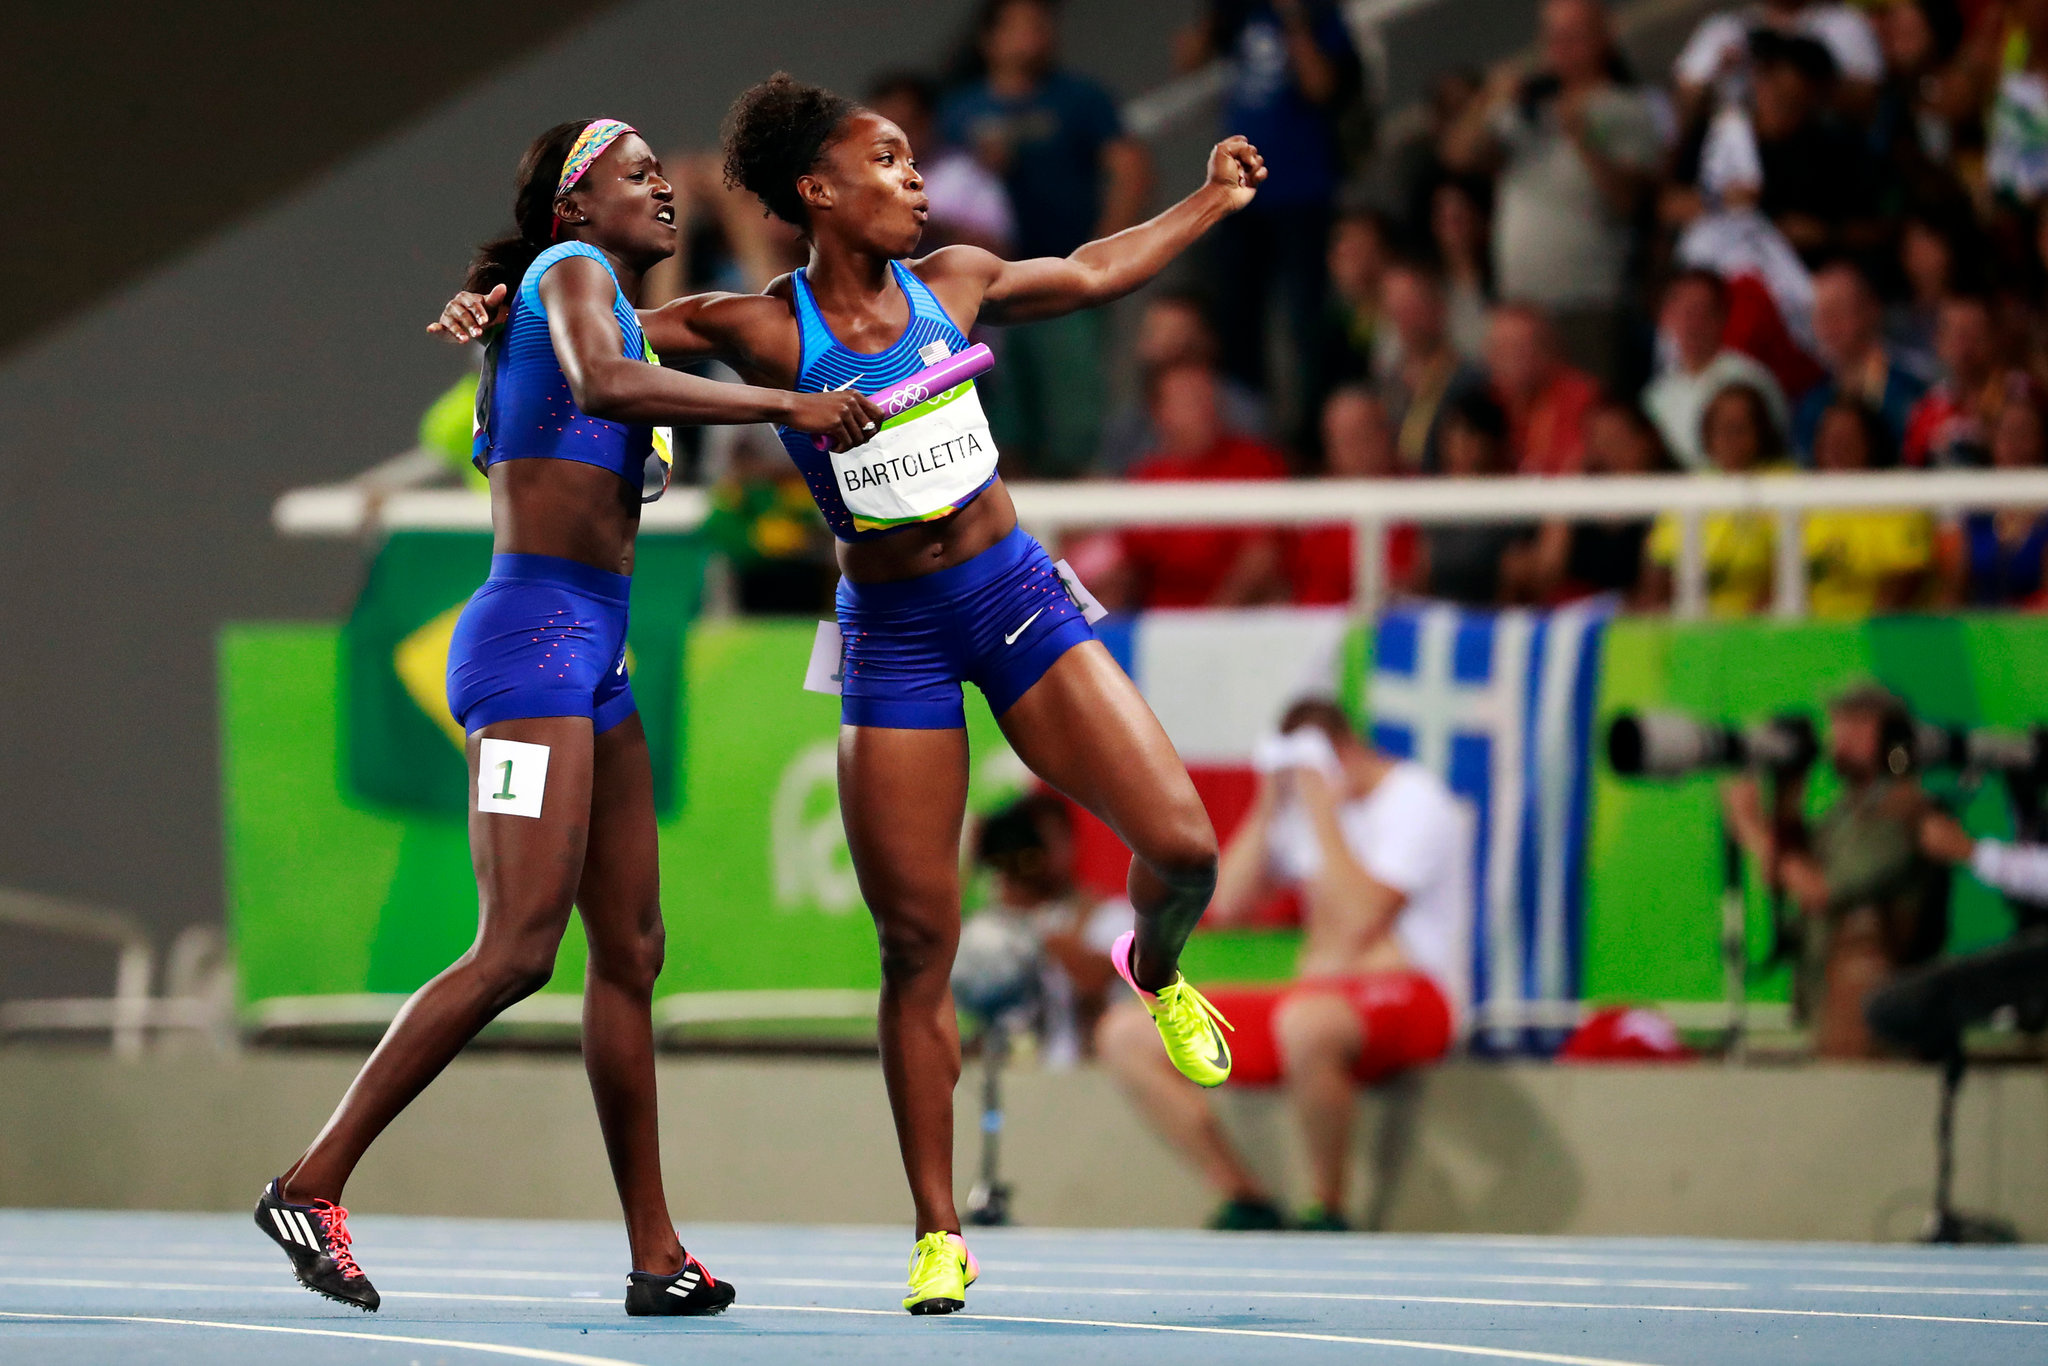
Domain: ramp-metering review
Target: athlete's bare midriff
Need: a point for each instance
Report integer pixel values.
(929, 547)
(563, 508)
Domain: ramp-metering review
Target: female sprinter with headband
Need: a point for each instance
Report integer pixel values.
(563, 812)
(940, 585)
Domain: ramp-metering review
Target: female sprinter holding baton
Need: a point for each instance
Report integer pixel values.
(563, 811)
(940, 585)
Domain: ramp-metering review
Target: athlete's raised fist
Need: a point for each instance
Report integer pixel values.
(843, 417)
(468, 316)
(1237, 168)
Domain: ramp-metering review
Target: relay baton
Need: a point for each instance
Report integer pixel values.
(906, 394)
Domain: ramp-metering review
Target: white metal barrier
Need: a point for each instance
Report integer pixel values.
(197, 984)
(1370, 506)
(126, 1012)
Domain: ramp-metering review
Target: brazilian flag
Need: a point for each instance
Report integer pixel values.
(400, 746)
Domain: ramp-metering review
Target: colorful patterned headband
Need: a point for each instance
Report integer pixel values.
(588, 147)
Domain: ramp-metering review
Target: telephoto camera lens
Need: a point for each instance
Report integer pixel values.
(2014, 752)
(1666, 744)
(2007, 751)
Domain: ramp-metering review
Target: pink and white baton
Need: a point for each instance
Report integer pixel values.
(907, 393)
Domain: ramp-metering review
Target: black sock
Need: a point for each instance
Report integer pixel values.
(1164, 933)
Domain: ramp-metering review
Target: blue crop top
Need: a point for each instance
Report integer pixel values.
(826, 364)
(524, 409)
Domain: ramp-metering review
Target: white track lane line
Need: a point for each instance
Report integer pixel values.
(2037, 1291)
(1743, 1264)
(72, 1283)
(1453, 1348)
(187, 1287)
(1304, 1273)
(487, 1348)
(572, 1359)
(1706, 1254)
(1239, 1274)
(1125, 1269)
(1364, 1297)
(1063, 1268)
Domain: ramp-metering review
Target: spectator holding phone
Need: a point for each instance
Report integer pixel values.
(1577, 147)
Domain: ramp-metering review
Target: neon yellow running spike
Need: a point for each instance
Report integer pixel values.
(941, 1269)
(1187, 1022)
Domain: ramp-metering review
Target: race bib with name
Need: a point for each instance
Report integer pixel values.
(923, 463)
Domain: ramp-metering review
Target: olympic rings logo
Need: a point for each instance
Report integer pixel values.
(907, 399)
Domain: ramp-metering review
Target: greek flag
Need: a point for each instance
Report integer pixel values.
(1500, 705)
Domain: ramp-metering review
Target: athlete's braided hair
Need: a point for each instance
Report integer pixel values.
(504, 261)
(775, 133)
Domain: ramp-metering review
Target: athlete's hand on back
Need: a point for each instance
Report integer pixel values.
(1237, 166)
(468, 315)
(844, 417)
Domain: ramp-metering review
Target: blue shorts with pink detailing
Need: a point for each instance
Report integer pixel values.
(998, 621)
(542, 637)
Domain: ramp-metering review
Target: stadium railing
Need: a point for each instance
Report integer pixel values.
(1370, 507)
(131, 1013)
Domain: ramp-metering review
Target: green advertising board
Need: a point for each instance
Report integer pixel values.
(346, 805)
(338, 893)
(348, 866)
(400, 747)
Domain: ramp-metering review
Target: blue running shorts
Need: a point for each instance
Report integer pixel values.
(542, 637)
(997, 621)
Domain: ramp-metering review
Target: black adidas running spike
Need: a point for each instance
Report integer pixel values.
(315, 1237)
(693, 1290)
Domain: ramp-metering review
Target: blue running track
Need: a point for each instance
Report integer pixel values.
(209, 1290)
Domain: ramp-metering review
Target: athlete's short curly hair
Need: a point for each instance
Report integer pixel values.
(774, 133)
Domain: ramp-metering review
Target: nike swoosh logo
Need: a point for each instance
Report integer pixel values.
(1220, 1059)
(1011, 639)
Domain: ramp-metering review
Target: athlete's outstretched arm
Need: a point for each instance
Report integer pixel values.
(672, 330)
(1111, 267)
(605, 383)
(694, 327)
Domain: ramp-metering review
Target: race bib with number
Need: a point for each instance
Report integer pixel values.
(511, 778)
(924, 462)
(1077, 592)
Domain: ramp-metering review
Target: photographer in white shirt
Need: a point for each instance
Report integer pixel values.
(2019, 870)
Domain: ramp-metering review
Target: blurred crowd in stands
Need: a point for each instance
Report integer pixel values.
(1817, 241)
